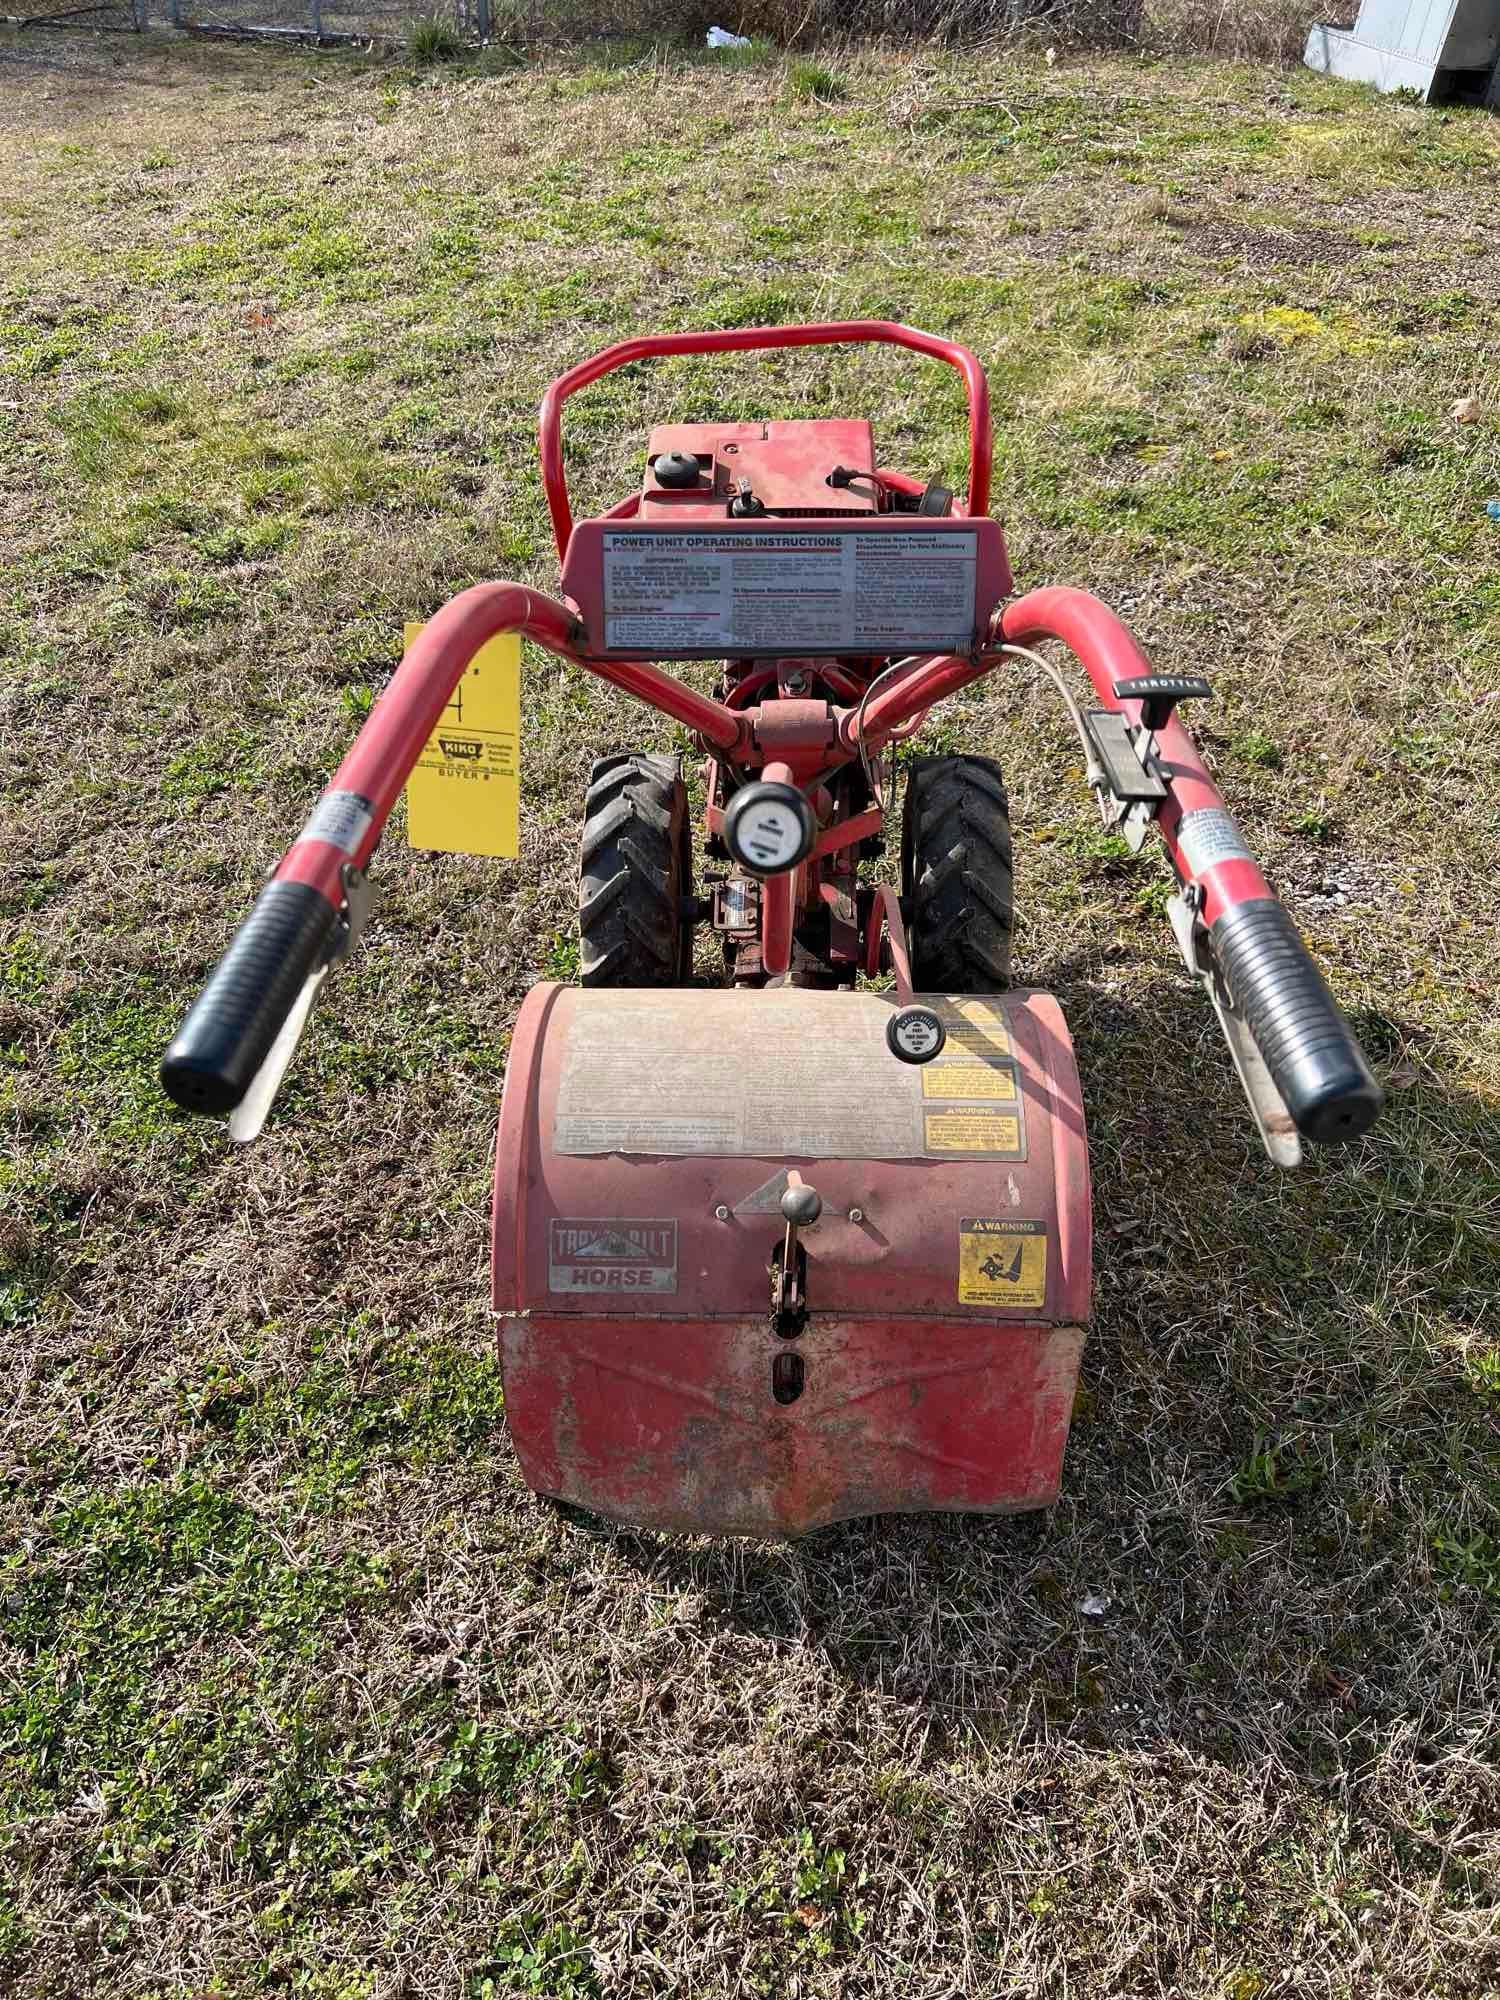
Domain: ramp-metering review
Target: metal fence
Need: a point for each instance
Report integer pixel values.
(291, 20)
(127, 14)
(321, 20)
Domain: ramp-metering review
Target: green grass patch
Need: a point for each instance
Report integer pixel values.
(419, 1407)
(812, 82)
(430, 39)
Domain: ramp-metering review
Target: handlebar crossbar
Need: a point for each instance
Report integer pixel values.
(302, 914)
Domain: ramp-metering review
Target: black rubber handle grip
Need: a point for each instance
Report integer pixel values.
(1306, 1043)
(245, 1000)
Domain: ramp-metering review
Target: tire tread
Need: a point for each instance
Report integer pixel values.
(633, 873)
(957, 875)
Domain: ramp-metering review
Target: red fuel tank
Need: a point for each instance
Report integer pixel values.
(646, 1139)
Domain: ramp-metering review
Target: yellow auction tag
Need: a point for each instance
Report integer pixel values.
(464, 797)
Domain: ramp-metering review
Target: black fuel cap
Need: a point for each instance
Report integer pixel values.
(675, 468)
(915, 1035)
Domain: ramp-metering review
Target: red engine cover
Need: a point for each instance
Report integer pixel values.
(645, 1141)
(787, 465)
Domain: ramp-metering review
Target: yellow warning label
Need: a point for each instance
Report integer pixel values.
(464, 797)
(945, 1078)
(977, 1026)
(979, 1130)
(1002, 1263)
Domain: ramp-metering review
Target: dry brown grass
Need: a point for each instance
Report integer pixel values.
(1231, 30)
(299, 1691)
(1240, 30)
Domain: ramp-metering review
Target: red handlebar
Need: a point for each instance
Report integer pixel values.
(736, 340)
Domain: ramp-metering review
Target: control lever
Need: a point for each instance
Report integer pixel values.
(801, 1206)
(1159, 694)
(249, 1115)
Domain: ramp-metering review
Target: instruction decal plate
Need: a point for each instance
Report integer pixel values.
(982, 1080)
(341, 818)
(666, 1073)
(1210, 835)
(973, 1129)
(464, 797)
(1002, 1263)
(781, 590)
(608, 1256)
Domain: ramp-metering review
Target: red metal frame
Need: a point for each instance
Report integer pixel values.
(801, 741)
(387, 748)
(740, 340)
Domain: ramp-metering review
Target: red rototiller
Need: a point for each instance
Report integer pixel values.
(791, 1249)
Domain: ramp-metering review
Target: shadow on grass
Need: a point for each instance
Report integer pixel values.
(1282, 1480)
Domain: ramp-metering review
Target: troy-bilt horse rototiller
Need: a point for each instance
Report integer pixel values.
(793, 1249)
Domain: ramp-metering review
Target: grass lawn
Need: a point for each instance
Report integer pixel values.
(299, 1690)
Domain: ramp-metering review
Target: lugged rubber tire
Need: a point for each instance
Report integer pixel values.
(957, 889)
(635, 869)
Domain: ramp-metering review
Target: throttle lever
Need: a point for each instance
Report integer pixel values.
(1159, 694)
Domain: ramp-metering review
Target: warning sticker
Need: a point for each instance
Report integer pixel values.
(1210, 835)
(973, 1129)
(589, 1254)
(976, 1026)
(945, 1078)
(1002, 1263)
(340, 817)
(464, 797)
(781, 591)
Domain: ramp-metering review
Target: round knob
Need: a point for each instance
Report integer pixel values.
(802, 1205)
(915, 1034)
(747, 503)
(675, 468)
(769, 827)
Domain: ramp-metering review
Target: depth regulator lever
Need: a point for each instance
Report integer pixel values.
(801, 1206)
